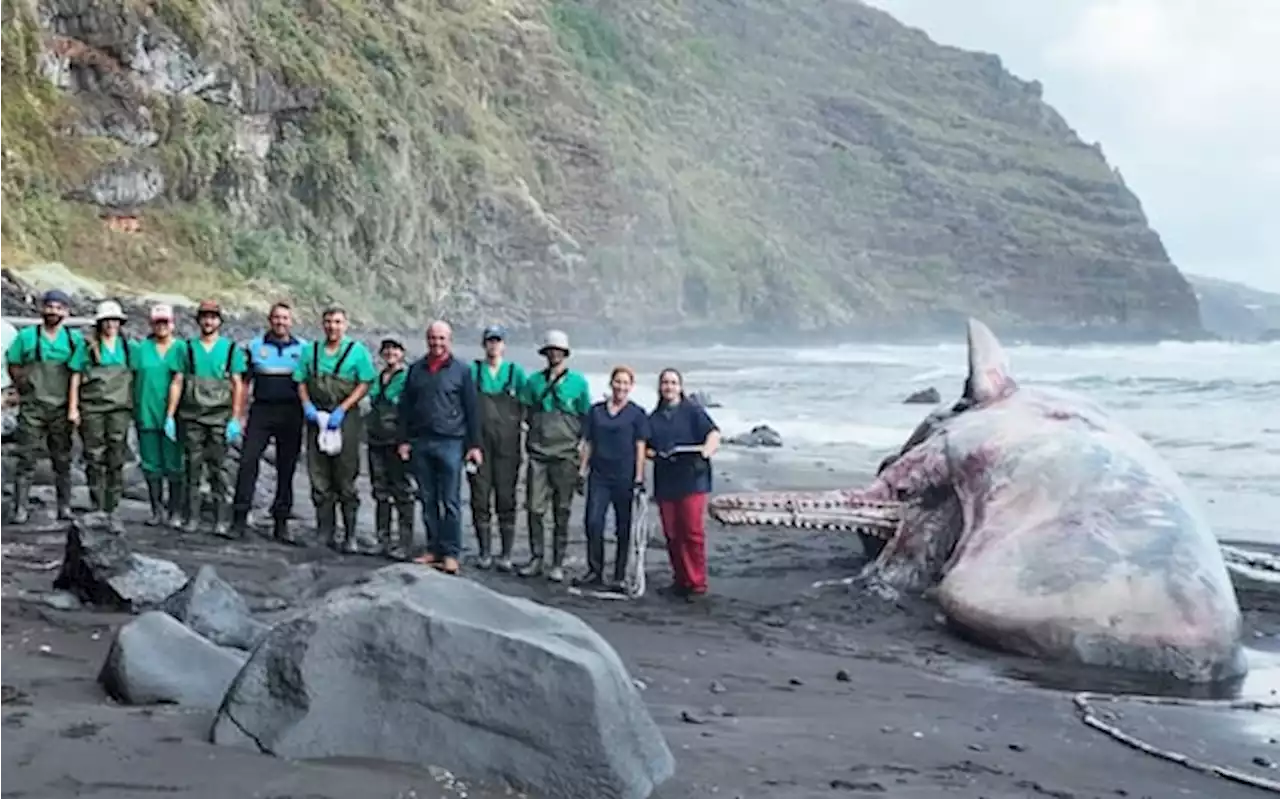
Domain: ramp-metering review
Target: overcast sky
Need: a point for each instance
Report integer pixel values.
(1184, 96)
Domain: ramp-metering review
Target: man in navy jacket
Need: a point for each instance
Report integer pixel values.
(439, 428)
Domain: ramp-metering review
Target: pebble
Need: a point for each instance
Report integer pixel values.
(843, 676)
(1017, 748)
(639, 684)
(701, 653)
(795, 681)
(977, 748)
(690, 718)
(1264, 762)
(717, 687)
(45, 648)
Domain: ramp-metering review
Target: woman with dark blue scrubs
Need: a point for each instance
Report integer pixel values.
(614, 440)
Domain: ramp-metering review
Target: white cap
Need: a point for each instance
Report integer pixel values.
(554, 340)
(108, 309)
(161, 313)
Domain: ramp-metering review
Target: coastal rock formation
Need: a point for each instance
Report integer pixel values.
(754, 165)
(99, 568)
(212, 607)
(156, 659)
(925, 396)
(762, 435)
(417, 667)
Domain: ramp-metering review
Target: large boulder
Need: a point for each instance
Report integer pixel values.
(212, 607)
(418, 667)
(99, 568)
(156, 659)
(925, 396)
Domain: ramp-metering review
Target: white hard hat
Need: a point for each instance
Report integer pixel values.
(108, 309)
(554, 340)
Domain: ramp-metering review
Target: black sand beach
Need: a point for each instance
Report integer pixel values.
(769, 689)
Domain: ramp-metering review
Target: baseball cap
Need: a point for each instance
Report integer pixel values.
(161, 313)
(494, 331)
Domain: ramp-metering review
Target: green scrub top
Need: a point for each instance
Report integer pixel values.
(114, 356)
(357, 367)
(571, 394)
(210, 363)
(152, 374)
(487, 382)
(59, 349)
(394, 388)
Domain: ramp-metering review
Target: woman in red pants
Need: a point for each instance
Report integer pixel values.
(682, 439)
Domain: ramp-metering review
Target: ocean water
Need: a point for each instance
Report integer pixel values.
(1211, 409)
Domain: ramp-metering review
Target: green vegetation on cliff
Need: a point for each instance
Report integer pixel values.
(687, 162)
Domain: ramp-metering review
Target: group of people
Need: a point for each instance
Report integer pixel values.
(425, 423)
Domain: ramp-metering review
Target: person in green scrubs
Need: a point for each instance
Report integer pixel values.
(556, 401)
(100, 403)
(38, 361)
(206, 398)
(333, 376)
(499, 385)
(388, 473)
(161, 457)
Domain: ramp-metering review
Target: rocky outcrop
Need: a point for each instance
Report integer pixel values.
(925, 396)
(212, 607)
(831, 168)
(762, 435)
(99, 568)
(417, 667)
(154, 659)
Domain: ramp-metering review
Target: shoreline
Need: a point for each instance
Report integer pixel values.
(770, 689)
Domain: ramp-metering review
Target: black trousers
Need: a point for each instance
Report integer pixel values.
(283, 422)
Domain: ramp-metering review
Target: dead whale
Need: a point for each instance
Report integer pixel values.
(1041, 526)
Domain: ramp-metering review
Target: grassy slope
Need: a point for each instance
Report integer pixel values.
(803, 164)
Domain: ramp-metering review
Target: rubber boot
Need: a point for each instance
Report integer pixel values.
(239, 524)
(62, 490)
(21, 497)
(280, 531)
(382, 525)
(404, 521)
(155, 496)
(484, 537)
(531, 569)
(558, 546)
(507, 536)
(221, 527)
(349, 516)
(327, 524)
(193, 512)
(177, 502)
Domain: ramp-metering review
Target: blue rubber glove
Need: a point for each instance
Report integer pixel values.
(170, 428)
(233, 430)
(335, 418)
(309, 412)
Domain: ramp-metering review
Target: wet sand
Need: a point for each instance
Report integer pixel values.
(768, 689)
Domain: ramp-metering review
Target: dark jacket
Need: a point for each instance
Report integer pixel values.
(440, 405)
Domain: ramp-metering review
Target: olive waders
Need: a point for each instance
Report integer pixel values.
(202, 420)
(551, 479)
(494, 481)
(106, 411)
(43, 423)
(388, 474)
(333, 477)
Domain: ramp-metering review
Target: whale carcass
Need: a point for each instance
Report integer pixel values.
(1041, 526)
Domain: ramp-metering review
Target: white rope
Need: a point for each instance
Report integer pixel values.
(1089, 718)
(633, 584)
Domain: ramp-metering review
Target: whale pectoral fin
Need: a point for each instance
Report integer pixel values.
(814, 510)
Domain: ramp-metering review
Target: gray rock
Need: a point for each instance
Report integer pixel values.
(210, 606)
(99, 568)
(762, 435)
(415, 666)
(155, 659)
(125, 184)
(926, 396)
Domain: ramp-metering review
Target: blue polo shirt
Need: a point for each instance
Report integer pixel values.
(271, 366)
(613, 441)
(679, 476)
